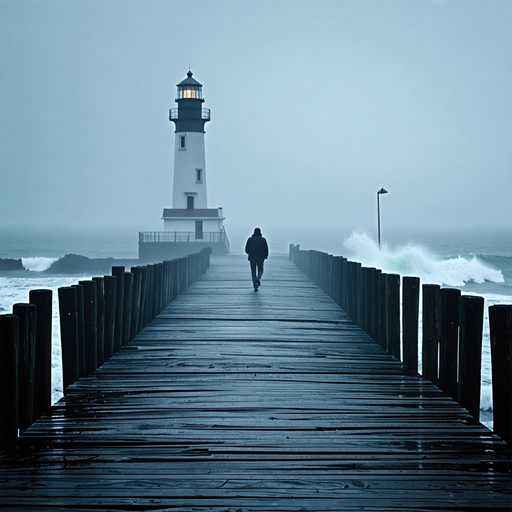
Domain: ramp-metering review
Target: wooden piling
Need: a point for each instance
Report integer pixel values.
(100, 319)
(361, 316)
(369, 300)
(110, 287)
(382, 330)
(471, 320)
(356, 268)
(343, 284)
(160, 299)
(500, 322)
(82, 372)
(26, 314)
(134, 323)
(449, 341)
(127, 306)
(410, 319)
(90, 326)
(118, 324)
(143, 291)
(43, 300)
(393, 314)
(375, 303)
(157, 287)
(431, 325)
(149, 293)
(68, 335)
(9, 347)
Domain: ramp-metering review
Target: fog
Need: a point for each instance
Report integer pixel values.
(315, 106)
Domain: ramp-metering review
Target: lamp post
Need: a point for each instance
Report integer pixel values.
(381, 191)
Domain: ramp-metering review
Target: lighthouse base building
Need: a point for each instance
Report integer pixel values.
(185, 232)
(189, 225)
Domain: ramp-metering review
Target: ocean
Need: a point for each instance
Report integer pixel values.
(477, 261)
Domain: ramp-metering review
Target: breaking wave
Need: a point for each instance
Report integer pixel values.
(38, 264)
(415, 260)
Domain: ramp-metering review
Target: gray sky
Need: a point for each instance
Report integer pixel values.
(315, 105)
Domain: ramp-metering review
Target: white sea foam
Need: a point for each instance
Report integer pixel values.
(415, 260)
(16, 290)
(486, 397)
(38, 264)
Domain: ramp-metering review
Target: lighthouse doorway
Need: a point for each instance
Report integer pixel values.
(199, 229)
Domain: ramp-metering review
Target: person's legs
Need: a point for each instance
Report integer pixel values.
(253, 274)
(260, 269)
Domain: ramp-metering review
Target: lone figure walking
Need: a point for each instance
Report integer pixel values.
(257, 249)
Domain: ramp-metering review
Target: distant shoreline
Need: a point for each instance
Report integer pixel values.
(72, 264)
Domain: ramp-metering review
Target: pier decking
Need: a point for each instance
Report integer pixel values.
(243, 401)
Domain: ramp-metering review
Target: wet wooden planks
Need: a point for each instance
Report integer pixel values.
(236, 400)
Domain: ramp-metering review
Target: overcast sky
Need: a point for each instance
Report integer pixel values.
(315, 105)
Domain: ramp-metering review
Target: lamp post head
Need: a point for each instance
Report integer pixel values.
(382, 191)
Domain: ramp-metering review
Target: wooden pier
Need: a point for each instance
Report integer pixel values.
(243, 401)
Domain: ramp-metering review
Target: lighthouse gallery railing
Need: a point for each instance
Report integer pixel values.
(173, 114)
(183, 236)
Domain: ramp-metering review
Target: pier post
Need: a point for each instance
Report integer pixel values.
(161, 284)
(375, 303)
(329, 275)
(9, 347)
(382, 311)
(90, 326)
(43, 300)
(134, 324)
(335, 279)
(357, 292)
(143, 290)
(368, 291)
(393, 314)
(500, 322)
(110, 286)
(158, 287)
(26, 314)
(82, 372)
(449, 347)
(471, 319)
(127, 307)
(410, 318)
(361, 316)
(174, 283)
(431, 325)
(149, 294)
(118, 272)
(154, 290)
(100, 318)
(343, 283)
(68, 335)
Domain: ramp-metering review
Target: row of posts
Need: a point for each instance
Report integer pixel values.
(452, 328)
(97, 318)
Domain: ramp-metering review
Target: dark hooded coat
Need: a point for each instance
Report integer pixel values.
(257, 248)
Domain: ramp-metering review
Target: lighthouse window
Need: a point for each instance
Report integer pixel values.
(183, 142)
(189, 92)
(199, 175)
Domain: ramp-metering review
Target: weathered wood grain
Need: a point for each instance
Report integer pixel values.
(243, 401)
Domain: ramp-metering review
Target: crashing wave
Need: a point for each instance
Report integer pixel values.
(38, 264)
(415, 260)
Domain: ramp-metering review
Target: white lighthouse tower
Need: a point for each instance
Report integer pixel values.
(189, 225)
(189, 187)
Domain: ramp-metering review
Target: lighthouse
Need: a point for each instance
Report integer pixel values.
(189, 225)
